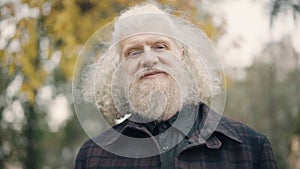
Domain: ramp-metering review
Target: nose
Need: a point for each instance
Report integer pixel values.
(149, 59)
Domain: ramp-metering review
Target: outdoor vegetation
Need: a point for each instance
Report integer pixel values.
(40, 41)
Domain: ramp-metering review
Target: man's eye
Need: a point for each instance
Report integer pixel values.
(160, 46)
(134, 53)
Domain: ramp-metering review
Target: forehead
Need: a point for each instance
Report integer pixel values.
(147, 39)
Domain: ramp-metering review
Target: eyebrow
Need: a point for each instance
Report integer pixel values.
(159, 40)
(132, 47)
(137, 45)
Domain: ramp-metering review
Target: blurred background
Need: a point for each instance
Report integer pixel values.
(258, 42)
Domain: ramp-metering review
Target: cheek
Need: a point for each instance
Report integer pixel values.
(131, 66)
(171, 59)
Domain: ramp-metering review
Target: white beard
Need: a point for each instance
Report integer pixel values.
(158, 98)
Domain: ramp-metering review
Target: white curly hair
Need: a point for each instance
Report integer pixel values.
(198, 51)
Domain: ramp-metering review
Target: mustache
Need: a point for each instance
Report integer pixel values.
(149, 71)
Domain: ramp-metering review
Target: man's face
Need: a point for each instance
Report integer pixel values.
(148, 50)
(149, 59)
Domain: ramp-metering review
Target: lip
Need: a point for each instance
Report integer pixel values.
(153, 74)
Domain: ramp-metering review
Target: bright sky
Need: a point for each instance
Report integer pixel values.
(248, 31)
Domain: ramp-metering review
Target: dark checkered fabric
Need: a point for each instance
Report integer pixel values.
(232, 145)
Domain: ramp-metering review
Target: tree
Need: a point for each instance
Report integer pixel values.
(38, 51)
(268, 98)
(278, 6)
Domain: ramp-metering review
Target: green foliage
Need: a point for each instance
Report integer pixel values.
(59, 32)
(56, 33)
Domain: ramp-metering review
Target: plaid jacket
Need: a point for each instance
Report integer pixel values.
(231, 145)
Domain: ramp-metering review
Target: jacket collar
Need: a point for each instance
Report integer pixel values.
(209, 122)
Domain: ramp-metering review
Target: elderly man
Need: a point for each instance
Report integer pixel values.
(162, 82)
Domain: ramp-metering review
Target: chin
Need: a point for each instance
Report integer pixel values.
(156, 97)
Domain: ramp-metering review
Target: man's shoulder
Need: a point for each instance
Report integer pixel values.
(246, 133)
(233, 129)
(88, 144)
(88, 148)
(104, 138)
